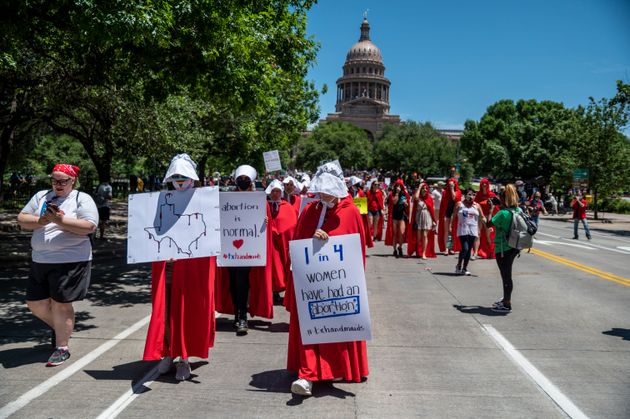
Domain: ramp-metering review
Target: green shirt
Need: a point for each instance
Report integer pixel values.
(502, 221)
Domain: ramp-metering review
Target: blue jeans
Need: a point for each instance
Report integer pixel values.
(585, 224)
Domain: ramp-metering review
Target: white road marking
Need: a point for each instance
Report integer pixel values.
(624, 248)
(42, 388)
(130, 395)
(543, 382)
(612, 249)
(549, 243)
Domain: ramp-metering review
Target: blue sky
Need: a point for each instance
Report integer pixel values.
(449, 60)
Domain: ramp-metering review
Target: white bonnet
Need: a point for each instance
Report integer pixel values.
(245, 170)
(329, 180)
(275, 184)
(183, 165)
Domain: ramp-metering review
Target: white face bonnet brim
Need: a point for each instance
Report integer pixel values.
(182, 165)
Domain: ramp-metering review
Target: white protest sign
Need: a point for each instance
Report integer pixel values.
(272, 161)
(173, 225)
(388, 181)
(330, 290)
(243, 229)
(304, 201)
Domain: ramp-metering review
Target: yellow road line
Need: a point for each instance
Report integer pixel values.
(588, 269)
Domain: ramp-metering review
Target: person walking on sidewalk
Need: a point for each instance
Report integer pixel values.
(468, 215)
(579, 205)
(505, 254)
(61, 219)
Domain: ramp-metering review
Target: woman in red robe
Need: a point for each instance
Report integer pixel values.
(335, 214)
(282, 225)
(421, 238)
(485, 244)
(246, 289)
(292, 190)
(450, 196)
(182, 295)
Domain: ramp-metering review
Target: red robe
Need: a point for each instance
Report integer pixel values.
(486, 249)
(413, 245)
(295, 200)
(191, 319)
(260, 286)
(369, 241)
(326, 361)
(282, 224)
(389, 232)
(446, 198)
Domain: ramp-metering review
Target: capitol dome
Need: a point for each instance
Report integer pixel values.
(364, 49)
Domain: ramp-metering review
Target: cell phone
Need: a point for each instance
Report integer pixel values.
(51, 206)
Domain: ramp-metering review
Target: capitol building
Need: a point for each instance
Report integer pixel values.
(363, 89)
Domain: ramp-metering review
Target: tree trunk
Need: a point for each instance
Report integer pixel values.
(595, 204)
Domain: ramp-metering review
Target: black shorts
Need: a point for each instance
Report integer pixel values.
(375, 213)
(63, 282)
(103, 213)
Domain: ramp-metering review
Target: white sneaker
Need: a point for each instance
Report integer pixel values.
(302, 387)
(466, 272)
(458, 271)
(183, 371)
(165, 365)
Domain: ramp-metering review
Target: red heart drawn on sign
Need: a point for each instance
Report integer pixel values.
(238, 243)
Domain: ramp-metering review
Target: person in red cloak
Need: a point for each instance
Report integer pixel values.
(484, 246)
(448, 220)
(356, 191)
(376, 205)
(292, 190)
(334, 215)
(246, 289)
(421, 238)
(398, 218)
(282, 225)
(182, 295)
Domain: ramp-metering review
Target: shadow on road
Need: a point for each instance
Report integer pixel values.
(616, 331)
(137, 370)
(484, 311)
(17, 357)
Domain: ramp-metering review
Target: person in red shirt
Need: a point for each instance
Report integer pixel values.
(484, 245)
(333, 215)
(579, 205)
(421, 238)
(282, 225)
(376, 203)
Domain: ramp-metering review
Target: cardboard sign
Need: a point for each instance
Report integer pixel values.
(173, 225)
(330, 290)
(361, 204)
(243, 229)
(272, 161)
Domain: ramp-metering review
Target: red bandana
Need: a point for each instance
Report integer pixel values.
(68, 169)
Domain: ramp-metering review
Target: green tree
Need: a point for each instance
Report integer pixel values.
(248, 59)
(335, 140)
(527, 139)
(414, 147)
(601, 147)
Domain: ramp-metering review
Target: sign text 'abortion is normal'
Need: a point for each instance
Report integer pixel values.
(330, 290)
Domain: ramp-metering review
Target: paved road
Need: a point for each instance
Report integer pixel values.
(438, 349)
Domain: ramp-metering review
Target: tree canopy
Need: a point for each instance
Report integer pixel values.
(335, 140)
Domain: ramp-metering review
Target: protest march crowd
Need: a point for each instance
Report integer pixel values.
(414, 217)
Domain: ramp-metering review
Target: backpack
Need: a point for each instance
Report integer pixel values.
(522, 230)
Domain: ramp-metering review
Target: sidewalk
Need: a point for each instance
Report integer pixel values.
(617, 223)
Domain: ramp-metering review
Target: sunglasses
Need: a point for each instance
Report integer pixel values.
(60, 182)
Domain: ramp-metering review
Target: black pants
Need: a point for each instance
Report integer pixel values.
(239, 289)
(467, 245)
(505, 260)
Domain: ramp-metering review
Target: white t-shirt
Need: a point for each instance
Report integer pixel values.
(50, 243)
